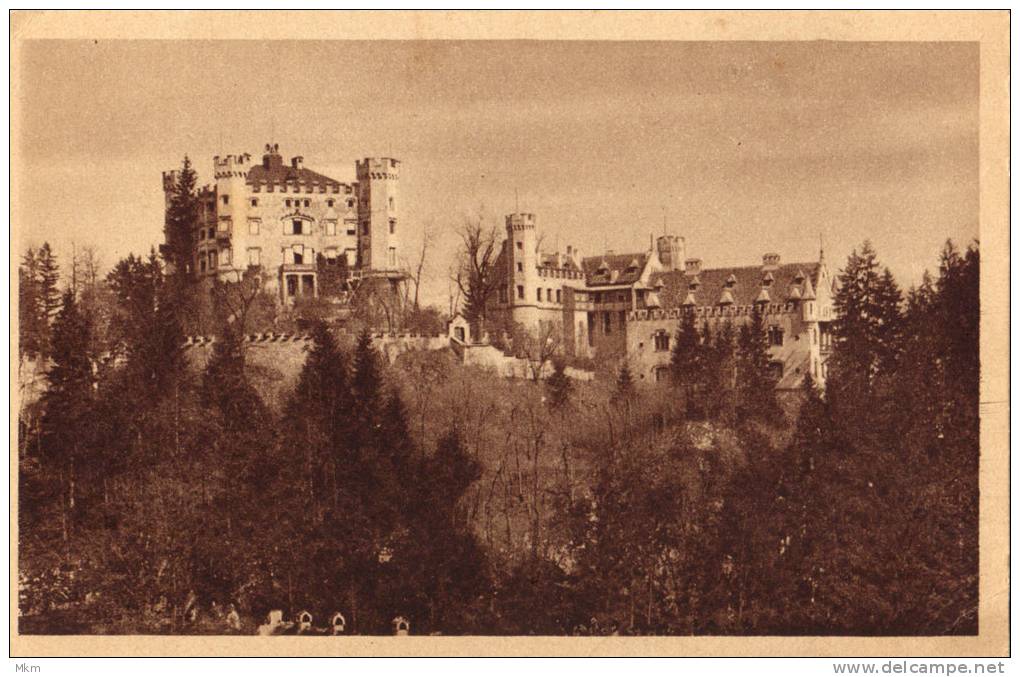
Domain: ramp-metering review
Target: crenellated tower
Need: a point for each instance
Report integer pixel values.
(522, 245)
(378, 223)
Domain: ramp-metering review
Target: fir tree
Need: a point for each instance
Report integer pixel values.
(49, 279)
(756, 383)
(181, 217)
(32, 326)
(686, 362)
(68, 404)
(559, 387)
(366, 389)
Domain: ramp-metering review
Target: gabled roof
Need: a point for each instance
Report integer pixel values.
(599, 270)
(743, 284)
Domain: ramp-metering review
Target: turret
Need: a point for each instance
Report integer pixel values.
(671, 251)
(231, 173)
(522, 244)
(378, 224)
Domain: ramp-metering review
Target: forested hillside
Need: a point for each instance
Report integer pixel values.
(154, 499)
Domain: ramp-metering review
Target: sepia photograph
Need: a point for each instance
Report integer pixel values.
(506, 337)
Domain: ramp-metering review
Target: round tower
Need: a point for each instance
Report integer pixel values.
(231, 173)
(378, 223)
(522, 241)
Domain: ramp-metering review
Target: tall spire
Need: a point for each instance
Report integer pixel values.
(821, 248)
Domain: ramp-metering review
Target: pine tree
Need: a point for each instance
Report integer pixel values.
(721, 384)
(225, 387)
(366, 389)
(32, 327)
(686, 362)
(181, 218)
(624, 391)
(68, 404)
(559, 387)
(756, 383)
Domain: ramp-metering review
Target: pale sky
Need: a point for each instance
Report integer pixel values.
(743, 148)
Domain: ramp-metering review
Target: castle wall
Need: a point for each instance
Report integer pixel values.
(649, 360)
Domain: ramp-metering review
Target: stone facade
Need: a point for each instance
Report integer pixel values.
(286, 221)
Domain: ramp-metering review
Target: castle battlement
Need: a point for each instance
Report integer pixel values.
(710, 311)
(377, 168)
(520, 221)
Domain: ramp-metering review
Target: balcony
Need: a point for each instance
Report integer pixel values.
(298, 268)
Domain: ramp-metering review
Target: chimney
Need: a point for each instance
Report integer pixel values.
(692, 266)
(770, 261)
(296, 162)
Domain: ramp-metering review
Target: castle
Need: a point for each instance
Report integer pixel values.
(628, 306)
(288, 221)
(295, 225)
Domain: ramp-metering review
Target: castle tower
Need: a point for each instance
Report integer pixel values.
(522, 241)
(378, 225)
(671, 250)
(231, 173)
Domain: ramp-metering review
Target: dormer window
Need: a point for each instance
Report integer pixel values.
(731, 281)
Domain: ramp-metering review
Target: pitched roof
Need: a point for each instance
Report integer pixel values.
(555, 260)
(742, 285)
(613, 268)
(273, 170)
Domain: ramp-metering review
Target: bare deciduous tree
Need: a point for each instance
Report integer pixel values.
(538, 348)
(475, 274)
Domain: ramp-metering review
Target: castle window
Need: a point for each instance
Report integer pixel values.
(352, 229)
(559, 296)
(350, 204)
(392, 204)
(520, 267)
(225, 261)
(520, 291)
(607, 323)
(297, 227)
(299, 257)
(288, 203)
(392, 260)
(538, 293)
(520, 245)
(201, 264)
(254, 202)
(776, 369)
(253, 227)
(212, 260)
(226, 199)
(365, 229)
(775, 336)
(308, 203)
(661, 339)
(329, 203)
(254, 256)
(330, 227)
(548, 295)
